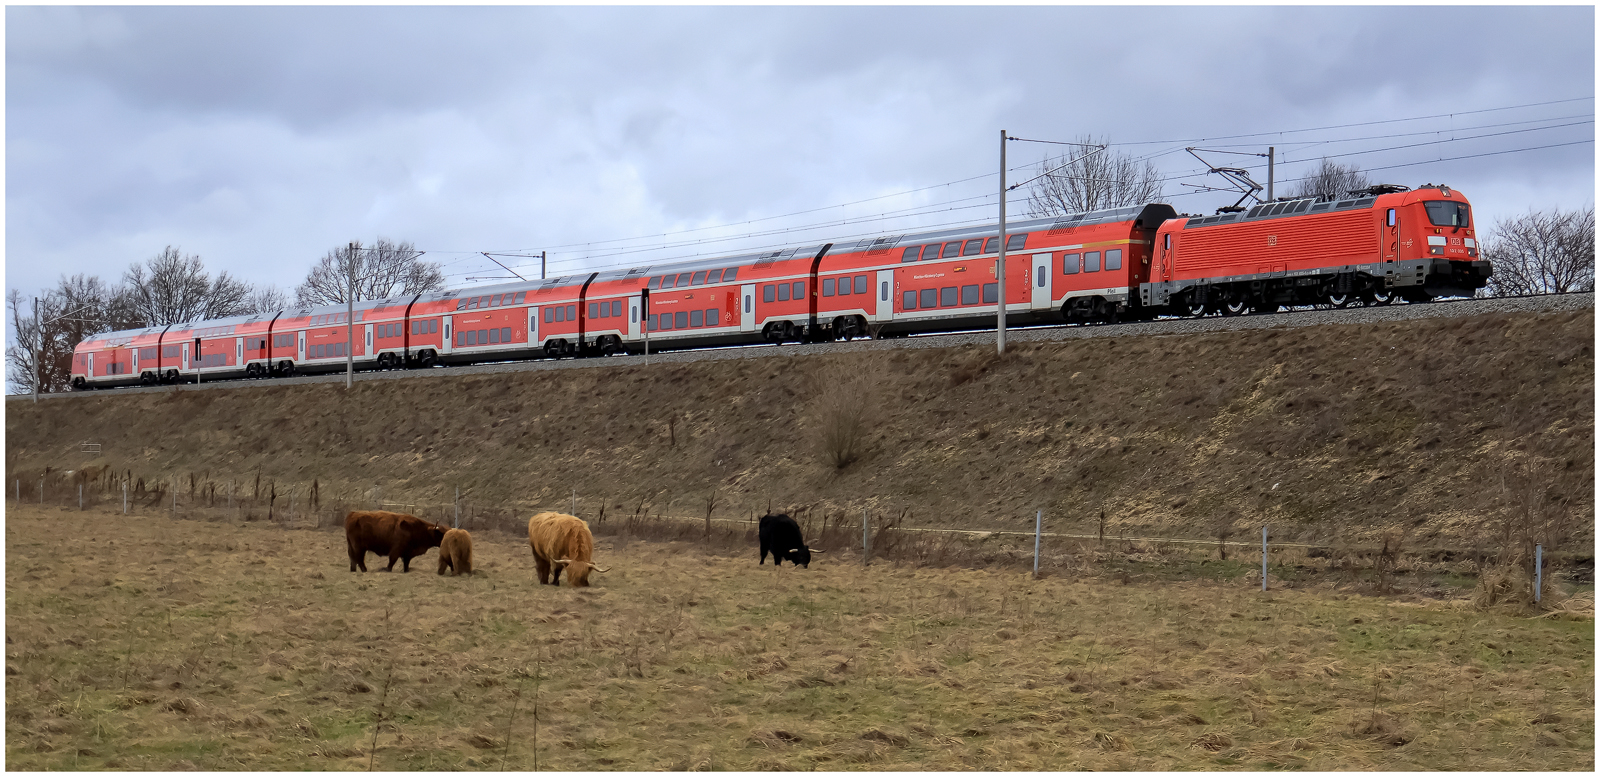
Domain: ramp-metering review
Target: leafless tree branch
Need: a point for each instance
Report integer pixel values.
(1096, 181)
(384, 269)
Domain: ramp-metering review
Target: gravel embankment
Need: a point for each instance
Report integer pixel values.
(1559, 303)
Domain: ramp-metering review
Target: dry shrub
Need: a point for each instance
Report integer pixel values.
(844, 411)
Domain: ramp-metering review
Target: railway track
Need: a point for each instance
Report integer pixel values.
(1300, 317)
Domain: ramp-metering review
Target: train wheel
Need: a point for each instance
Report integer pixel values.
(1194, 309)
(1379, 297)
(1237, 306)
(427, 359)
(1340, 300)
(285, 368)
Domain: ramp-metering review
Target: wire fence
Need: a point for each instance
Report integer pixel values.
(851, 535)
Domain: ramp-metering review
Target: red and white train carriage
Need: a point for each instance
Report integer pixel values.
(1124, 263)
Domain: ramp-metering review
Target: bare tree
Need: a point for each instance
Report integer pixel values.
(266, 299)
(1541, 252)
(1331, 181)
(382, 270)
(80, 307)
(1092, 180)
(171, 288)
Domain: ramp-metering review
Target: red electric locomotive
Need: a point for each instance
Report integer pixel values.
(1124, 263)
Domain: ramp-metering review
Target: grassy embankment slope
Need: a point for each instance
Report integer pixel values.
(1437, 427)
(149, 643)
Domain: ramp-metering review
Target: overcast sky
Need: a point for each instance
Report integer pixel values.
(260, 138)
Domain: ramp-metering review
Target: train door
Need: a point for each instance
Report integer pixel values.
(367, 350)
(885, 295)
(91, 364)
(448, 340)
(1392, 232)
(300, 352)
(238, 346)
(747, 307)
(185, 356)
(134, 353)
(533, 326)
(633, 318)
(1039, 289)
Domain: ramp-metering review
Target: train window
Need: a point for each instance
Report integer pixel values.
(1322, 206)
(884, 296)
(1388, 219)
(947, 297)
(861, 284)
(1301, 208)
(1444, 213)
(680, 319)
(730, 274)
(416, 327)
(969, 294)
(747, 304)
(697, 318)
(799, 289)
(930, 252)
(650, 322)
(549, 315)
(711, 316)
(433, 327)
(667, 281)
(951, 250)
(494, 303)
(1070, 263)
(699, 279)
(713, 276)
(1091, 261)
(494, 336)
(1114, 259)
(909, 300)
(655, 283)
(521, 295)
(828, 285)
(594, 310)
(505, 334)
(633, 315)
(991, 293)
(616, 308)
(909, 255)
(783, 292)
(683, 279)
(572, 312)
(470, 337)
(767, 292)
(972, 248)
(930, 298)
(1017, 242)
(989, 245)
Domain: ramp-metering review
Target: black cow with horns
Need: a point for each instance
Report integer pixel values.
(780, 535)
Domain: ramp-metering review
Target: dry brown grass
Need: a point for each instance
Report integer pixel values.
(148, 643)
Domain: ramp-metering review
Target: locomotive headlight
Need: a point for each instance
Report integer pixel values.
(1472, 243)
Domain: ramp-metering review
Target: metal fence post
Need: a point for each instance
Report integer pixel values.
(1263, 558)
(80, 496)
(866, 538)
(1538, 572)
(41, 489)
(1038, 527)
(458, 508)
(124, 497)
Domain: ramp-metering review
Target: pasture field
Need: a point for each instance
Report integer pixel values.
(151, 643)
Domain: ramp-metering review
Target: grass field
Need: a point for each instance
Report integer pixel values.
(149, 643)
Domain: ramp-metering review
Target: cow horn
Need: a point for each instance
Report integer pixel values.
(794, 550)
(562, 561)
(598, 568)
(814, 550)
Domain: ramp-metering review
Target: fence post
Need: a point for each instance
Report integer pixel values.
(574, 502)
(1038, 528)
(19, 490)
(124, 497)
(174, 498)
(1538, 572)
(458, 508)
(41, 489)
(80, 496)
(866, 538)
(1263, 558)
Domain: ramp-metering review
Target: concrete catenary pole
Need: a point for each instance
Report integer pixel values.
(1000, 264)
(350, 323)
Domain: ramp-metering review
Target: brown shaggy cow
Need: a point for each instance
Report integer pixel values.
(561, 541)
(399, 536)
(455, 552)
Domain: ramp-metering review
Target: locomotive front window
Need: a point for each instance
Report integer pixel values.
(1444, 213)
